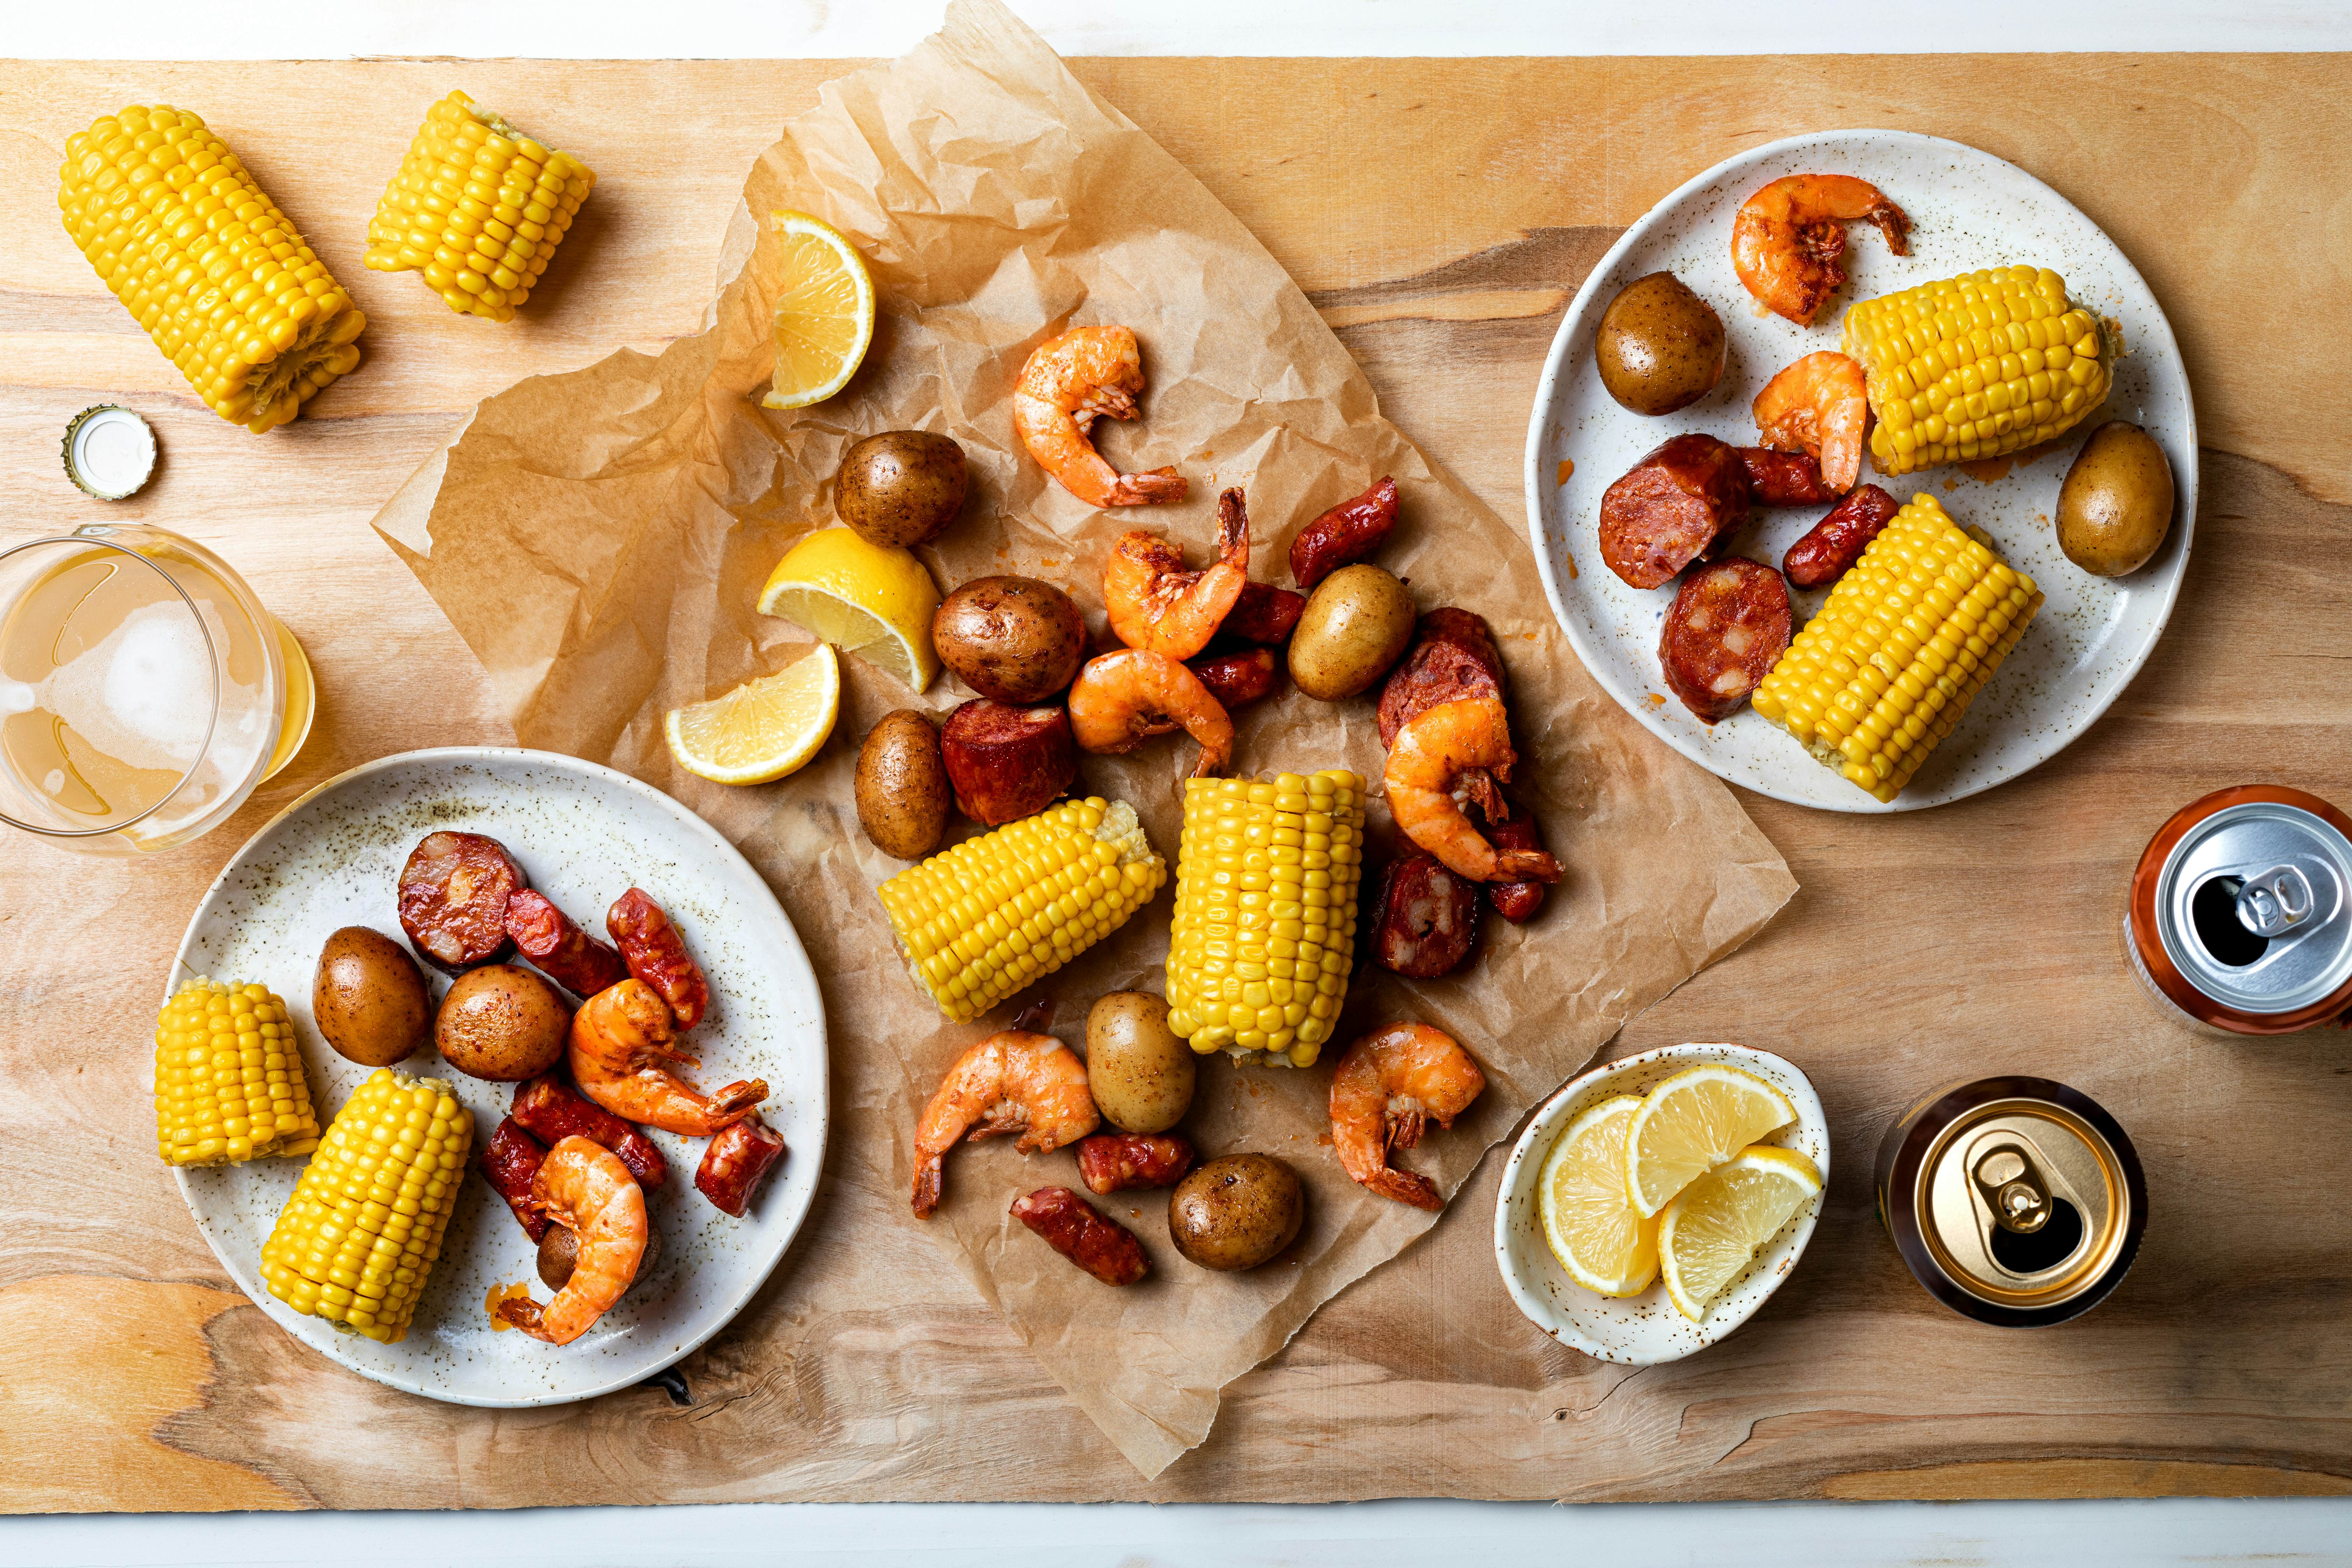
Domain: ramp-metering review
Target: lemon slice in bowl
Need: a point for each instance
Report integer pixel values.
(763, 728)
(866, 599)
(824, 312)
(1604, 1246)
(1714, 1226)
(1692, 1122)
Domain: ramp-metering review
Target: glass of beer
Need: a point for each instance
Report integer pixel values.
(144, 691)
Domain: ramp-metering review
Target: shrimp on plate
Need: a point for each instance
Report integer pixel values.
(1068, 381)
(1444, 757)
(1788, 236)
(1016, 1080)
(1389, 1085)
(1123, 696)
(1819, 405)
(1157, 605)
(622, 1054)
(582, 1186)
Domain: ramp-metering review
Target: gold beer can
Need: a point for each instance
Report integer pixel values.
(2016, 1200)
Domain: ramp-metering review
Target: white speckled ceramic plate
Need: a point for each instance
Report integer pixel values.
(1643, 1330)
(1968, 210)
(583, 834)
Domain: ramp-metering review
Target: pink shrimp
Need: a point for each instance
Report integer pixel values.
(584, 1187)
(1787, 240)
(1819, 405)
(1388, 1085)
(1444, 755)
(1068, 381)
(622, 1053)
(1157, 605)
(1013, 1081)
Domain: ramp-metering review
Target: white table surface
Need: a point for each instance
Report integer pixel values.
(1424, 1532)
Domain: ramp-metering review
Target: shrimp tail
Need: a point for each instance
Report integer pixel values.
(1891, 221)
(736, 1101)
(1525, 865)
(1404, 1130)
(929, 1175)
(1149, 488)
(1232, 529)
(1406, 1187)
(525, 1314)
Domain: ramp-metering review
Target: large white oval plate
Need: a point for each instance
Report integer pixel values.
(1968, 210)
(583, 834)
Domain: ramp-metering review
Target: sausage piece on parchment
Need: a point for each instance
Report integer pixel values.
(1725, 631)
(1119, 1162)
(1518, 903)
(1103, 1247)
(1006, 762)
(1428, 918)
(1352, 531)
(1671, 508)
(1452, 657)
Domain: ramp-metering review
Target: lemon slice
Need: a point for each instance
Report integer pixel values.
(824, 312)
(1595, 1234)
(863, 598)
(763, 728)
(1712, 1228)
(1692, 1122)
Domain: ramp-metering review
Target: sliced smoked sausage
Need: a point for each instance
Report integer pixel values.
(1671, 508)
(453, 899)
(1263, 615)
(1837, 541)
(1234, 679)
(657, 955)
(1007, 763)
(1348, 532)
(1428, 918)
(558, 948)
(1518, 903)
(1118, 1161)
(1103, 1247)
(1724, 631)
(1452, 657)
(510, 1160)
(1784, 478)
(739, 1156)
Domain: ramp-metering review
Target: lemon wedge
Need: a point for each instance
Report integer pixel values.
(868, 599)
(1692, 1122)
(1712, 1228)
(763, 728)
(824, 312)
(1604, 1246)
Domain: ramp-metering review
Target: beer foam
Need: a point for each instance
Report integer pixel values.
(143, 695)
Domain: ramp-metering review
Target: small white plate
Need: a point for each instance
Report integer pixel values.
(1643, 1330)
(583, 834)
(1968, 210)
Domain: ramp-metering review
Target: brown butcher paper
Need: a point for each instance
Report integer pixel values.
(600, 538)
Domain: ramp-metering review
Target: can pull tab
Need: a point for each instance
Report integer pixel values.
(2276, 901)
(2014, 1188)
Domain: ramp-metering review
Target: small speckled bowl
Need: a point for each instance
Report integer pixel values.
(583, 834)
(1968, 210)
(1642, 1330)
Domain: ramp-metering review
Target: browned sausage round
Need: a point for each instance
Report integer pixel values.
(1518, 903)
(1103, 1247)
(1784, 478)
(739, 1156)
(1428, 918)
(1726, 630)
(1007, 763)
(1837, 541)
(1119, 1162)
(1671, 508)
(1263, 615)
(1452, 657)
(1234, 679)
(453, 899)
(1352, 531)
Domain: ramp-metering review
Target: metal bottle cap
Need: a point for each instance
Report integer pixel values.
(109, 451)
(2023, 1203)
(2255, 907)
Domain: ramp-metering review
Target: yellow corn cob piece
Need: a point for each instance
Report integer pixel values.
(1974, 367)
(979, 921)
(1264, 933)
(228, 1078)
(356, 1241)
(478, 207)
(215, 275)
(1907, 638)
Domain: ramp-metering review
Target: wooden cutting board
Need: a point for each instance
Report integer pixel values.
(1441, 212)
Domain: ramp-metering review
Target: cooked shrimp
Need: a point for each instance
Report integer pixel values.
(1123, 696)
(1787, 240)
(1390, 1082)
(1013, 1081)
(1443, 757)
(1154, 604)
(622, 1054)
(1819, 405)
(1067, 382)
(584, 1187)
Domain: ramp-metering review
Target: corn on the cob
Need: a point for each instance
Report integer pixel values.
(1910, 634)
(217, 276)
(357, 1239)
(478, 207)
(1974, 367)
(1264, 933)
(981, 919)
(228, 1078)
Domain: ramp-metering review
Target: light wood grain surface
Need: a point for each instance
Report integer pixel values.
(1442, 213)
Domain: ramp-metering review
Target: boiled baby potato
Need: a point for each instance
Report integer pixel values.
(901, 487)
(1661, 347)
(903, 794)
(2116, 507)
(1141, 1073)
(369, 999)
(1237, 1212)
(1356, 625)
(501, 1022)
(1015, 639)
